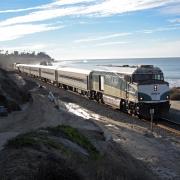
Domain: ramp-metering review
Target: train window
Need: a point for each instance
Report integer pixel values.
(108, 77)
(115, 80)
(158, 77)
(123, 86)
(73, 78)
(121, 76)
(141, 77)
(147, 77)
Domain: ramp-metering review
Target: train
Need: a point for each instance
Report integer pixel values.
(138, 90)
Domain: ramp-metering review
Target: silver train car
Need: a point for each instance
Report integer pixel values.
(132, 89)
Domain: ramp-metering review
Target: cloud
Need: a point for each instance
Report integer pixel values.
(20, 26)
(17, 31)
(116, 35)
(177, 20)
(110, 7)
(160, 29)
(172, 9)
(47, 6)
(110, 36)
(112, 43)
(39, 16)
(85, 7)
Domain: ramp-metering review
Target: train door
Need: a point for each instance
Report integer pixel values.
(101, 83)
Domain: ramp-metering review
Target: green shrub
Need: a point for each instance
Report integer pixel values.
(75, 136)
(22, 140)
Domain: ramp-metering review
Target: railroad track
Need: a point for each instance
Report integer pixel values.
(169, 125)
(162, 124)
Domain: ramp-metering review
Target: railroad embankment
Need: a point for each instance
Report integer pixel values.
(174, 113)
(13, 91)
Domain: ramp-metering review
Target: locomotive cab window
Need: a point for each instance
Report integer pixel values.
(158, 77)
(141, 77)
(147, 77)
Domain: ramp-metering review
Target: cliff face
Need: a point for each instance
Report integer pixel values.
(13, 91)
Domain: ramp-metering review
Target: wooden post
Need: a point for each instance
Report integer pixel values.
(152, 117)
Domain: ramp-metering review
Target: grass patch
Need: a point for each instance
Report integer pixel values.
(75, 136)
(34, 140)
(23, 140)
(39, 138)
(50, 143)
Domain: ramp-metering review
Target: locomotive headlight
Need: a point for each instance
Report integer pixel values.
(167, 97)
(155, 87)
(141, 98)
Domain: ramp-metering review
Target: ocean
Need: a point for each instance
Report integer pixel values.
(169, 66)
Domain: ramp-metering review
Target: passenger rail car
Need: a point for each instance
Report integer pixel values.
(75, 79)
(48, 74)
(133, 89)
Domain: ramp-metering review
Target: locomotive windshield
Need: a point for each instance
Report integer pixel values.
(138, 78)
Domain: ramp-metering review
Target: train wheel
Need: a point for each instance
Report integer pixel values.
(97, 98)
(92, 95)
(123, 106)
(102, 100)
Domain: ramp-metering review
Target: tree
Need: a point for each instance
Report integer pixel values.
(43, 55)
(7, 52)
(16, 53)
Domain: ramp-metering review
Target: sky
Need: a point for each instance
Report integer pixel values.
(90, 29)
